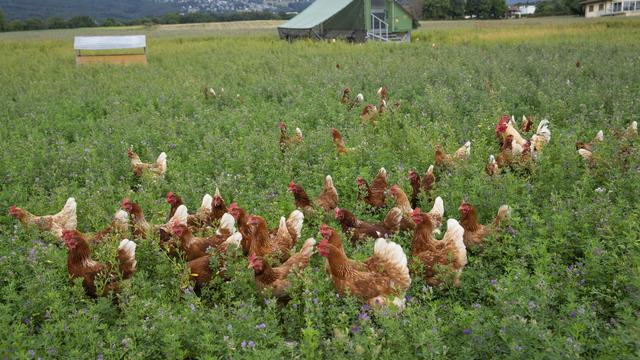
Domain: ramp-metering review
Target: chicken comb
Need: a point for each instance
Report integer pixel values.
(324, 228)
(252, 258)
(126, 201)
(67, 234)
(416, 211)
(170, 195)
(13, 208)
(232, 207)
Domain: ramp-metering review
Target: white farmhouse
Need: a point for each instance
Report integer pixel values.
(596, 8)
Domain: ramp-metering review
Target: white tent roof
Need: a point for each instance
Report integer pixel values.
(109, 42)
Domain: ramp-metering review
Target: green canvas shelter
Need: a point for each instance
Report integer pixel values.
(352, 20)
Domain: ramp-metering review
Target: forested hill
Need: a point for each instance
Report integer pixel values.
(97, 9)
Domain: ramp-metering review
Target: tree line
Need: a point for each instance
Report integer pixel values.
(432, 9)
(493, 9)
(171, 18)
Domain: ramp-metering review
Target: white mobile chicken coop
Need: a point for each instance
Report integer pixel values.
(123, 50)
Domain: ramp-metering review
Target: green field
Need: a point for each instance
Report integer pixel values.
(565, 283)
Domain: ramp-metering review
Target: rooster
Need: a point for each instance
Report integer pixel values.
(474, 233)
(589, 145)
(65, 219)
(442, 159)
(195, 247)
(374, 195)
(369, 113)
(286, 139)
(339, 142)
(492, 166)
(359, 230)
(505, 127)
(80, 264)
(276, 279)
(279, 243)
(433, 254)
(327, 201)
(156, 169)
(388, 283)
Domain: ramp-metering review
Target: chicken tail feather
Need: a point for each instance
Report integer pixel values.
(127, 258)
(234, 239)
(161, 162)
(394, 256)
(294, 223)
(227, 223)
(503, 213)
(180, 215)
(206, 202)
(438, 207)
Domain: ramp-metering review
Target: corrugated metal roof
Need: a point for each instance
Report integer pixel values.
(316, 13)
(109, 42)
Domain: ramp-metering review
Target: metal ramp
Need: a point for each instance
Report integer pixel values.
(380, 32)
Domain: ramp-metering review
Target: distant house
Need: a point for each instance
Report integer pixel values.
(517, 11)
(596, 8)
(352, 20)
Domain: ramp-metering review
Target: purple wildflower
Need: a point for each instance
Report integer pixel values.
(243, 344)
(315, 300)
(476, 306)
(32, 254)
(251, 344)
(363, 317)
(467, 331)
(192, 307)
(100, 357)
(494, 282)
(172, 146)
(261, 326)
(574, 314)
(355, 329)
